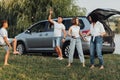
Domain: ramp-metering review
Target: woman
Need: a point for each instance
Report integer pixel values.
(97, 32)
(74, 33)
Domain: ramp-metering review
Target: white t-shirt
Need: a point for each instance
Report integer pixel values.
(58, 27)
(3, 33)
(75, 31)
(97, 29)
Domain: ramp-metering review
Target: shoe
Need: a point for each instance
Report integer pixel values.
(60, 58)
(57, 57)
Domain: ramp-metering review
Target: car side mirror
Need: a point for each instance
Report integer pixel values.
(28, 31)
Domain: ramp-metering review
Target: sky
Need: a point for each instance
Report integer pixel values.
(93, 4)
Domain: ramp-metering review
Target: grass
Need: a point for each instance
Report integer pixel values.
(34, 67)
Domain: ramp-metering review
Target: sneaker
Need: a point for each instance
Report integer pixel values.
(59, 58)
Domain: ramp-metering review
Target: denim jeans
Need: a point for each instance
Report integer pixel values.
(76, 42)
(96, 46)
(56, 41)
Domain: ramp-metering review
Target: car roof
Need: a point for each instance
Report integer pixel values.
(64, 18)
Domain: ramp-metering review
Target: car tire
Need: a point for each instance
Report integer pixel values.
(65, 49)
(113, 44)
(21, 48)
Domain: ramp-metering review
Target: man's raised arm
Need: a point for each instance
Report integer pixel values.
(50, 16)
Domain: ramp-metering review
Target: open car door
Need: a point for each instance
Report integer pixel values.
(104, 14)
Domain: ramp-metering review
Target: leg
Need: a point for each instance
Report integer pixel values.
(55, 45)
(71, 52)
(80, 51)
(6, 55)
(59, 51)
(99, 51)
(92, 53)
(56, 49)
(14, 43)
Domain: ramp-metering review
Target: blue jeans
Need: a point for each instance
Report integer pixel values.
(76, 42)
(96, 45)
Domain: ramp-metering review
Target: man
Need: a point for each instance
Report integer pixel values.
(5, 41)
(58, 29)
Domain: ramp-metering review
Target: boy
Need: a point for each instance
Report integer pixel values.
(5, 41)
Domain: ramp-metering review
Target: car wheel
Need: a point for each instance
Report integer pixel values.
(21, 48)
(113, 44)
(66, 49)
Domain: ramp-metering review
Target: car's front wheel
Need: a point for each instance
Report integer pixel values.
(21, 48)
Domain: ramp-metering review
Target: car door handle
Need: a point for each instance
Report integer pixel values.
(46, 34)
(40, 35)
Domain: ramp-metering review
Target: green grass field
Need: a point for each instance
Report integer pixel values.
(37, 67)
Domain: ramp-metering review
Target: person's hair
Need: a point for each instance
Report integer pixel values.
(60, 16)
(94, 17)
(3, 21)
(74, 21)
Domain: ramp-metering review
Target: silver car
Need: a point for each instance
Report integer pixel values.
(39, 36)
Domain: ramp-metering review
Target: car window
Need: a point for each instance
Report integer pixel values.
(81, 24)
(68, 23)
(50, 27)
(40, 27)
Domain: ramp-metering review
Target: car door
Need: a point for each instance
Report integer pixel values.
(104, 14)
(36, 38)
(50, 32)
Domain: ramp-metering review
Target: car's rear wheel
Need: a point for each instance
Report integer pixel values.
(66, 49)
(21, 48)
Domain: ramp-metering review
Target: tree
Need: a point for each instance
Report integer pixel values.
(22, 13)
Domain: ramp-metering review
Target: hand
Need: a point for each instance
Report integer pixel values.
(84, 34)
(10, 46)
(85, 39)
(51, 11)
(63, 40)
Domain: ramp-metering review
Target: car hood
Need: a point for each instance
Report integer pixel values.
(104, 14)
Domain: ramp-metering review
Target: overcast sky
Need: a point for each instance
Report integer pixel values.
(93, 4)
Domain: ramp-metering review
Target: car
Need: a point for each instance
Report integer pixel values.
(39, 36)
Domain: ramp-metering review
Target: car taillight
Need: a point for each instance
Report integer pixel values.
(85, 32)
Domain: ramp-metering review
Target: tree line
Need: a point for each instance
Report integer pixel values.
(22, 13)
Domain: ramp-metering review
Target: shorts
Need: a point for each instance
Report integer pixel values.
(56, 41)
(6, 46)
